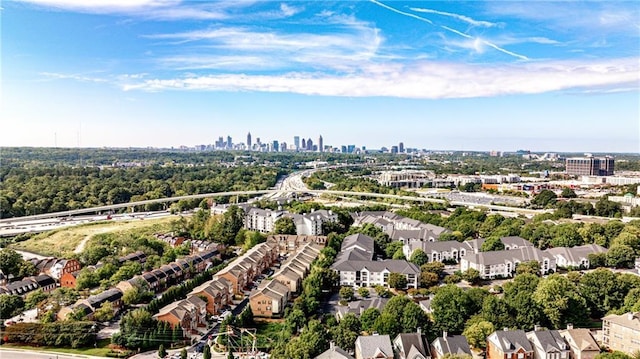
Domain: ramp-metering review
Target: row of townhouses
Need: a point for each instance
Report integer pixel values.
(502, 344)
(271, 296)
(156, 280)
(210, 297)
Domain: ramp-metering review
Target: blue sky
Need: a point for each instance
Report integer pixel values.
(504, 75)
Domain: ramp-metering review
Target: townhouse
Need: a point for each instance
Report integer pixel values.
(548, 344)
(55, 267)
(581, 343)
(188, 314)
(290, 243)
(269, 300)
(334, 352)
(374, 347)
(217, 293)
(93, 303)
(29, 284)
(411, 346)
(242, 270)
(509, 344)
(450, 345)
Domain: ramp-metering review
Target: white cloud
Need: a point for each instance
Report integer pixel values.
(426, 80)
(288, 10)
(84, 5)
(463, 18)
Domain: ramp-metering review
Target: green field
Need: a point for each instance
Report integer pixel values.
(64, 242)
(100, 351)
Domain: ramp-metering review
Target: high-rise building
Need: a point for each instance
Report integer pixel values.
(590, 166)
(249, 141)
(229, 142)
(401, 147)
(275, 146)
(304, 144)
(296, 142)
(320, 144)
(309, 145)
(394, 149)
(283, 147)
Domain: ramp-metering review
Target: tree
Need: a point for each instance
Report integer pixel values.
(472, 276)
(477, 334)
(399, 254)
(620, 256)
(10, 305)
(613, 355)
(347, 293)
(206, 352)
(544, 198)
(87, 278)
(428, 279)
(433, 267)
(413, 317)
(568, 193)
(606, 208)
(496, 311)
(363, 292)
(32, 299)
(601, 290)
(560, 301)
(397, 281)
(104, 313)
(161, 351)
(10, 261)
(518, 296)
(183, 354)
(347, 331)
(530, 267)
(392, 248)
(492, 244)
(419, 257)
(284, 225)
(368, 318)
(451, 308)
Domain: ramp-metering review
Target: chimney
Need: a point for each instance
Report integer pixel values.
(536, 328)
(569, 326)
(505, 329)
(331, 345)
(444, 334)
(419, 330)
(630, 316)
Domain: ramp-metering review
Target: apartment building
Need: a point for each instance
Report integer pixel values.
(622, 332)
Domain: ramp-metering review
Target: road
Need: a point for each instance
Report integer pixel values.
(22, 354)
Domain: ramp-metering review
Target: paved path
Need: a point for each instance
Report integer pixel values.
(23, 354)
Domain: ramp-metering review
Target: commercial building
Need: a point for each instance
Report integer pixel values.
(590, 166)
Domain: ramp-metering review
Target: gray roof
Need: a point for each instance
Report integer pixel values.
(550, 341)
(334, 353)
(453, 344)
(576, 254)
(510, 340)
(392, 265)
(359, 306)
(365, 242)
(522, 254)
(441, 246)
(371, 345)
(515, 241)
(416, 341)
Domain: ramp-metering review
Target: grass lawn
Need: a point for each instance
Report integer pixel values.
(100, 351)
(268, 334)
(63, 242)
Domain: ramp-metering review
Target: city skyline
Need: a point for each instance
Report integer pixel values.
(544, 76)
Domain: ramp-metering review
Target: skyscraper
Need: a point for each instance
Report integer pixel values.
(401, 147)
(249, 141)
(304, 144)
(275, 147)
(309, 145)
(229, 142)
(320, 148)
(296, 142)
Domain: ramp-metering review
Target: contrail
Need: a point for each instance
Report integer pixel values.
(521, 57)
(456, 16)
(402, 12)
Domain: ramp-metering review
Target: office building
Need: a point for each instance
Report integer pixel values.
(304, 144)
(249, 141)
(296, 142)
(320, 144)
(590, 166)
(401, 147)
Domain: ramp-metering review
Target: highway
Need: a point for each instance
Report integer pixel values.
(12, 226)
